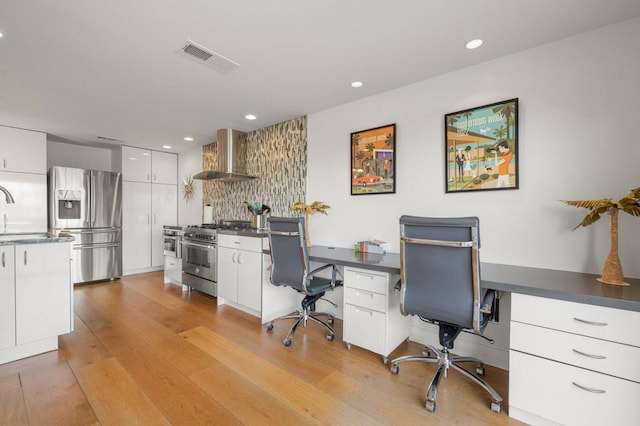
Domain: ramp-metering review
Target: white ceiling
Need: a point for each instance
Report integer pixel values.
(79, 69)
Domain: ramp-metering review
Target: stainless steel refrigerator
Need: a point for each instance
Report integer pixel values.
(88, 205)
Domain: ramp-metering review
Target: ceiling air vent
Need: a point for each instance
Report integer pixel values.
(207, 57)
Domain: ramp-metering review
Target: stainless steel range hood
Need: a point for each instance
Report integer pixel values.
(231, 156)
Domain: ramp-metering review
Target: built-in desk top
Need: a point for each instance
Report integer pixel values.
(563, 285)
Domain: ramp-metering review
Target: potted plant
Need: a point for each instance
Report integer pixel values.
(309, 209)
(612, 271)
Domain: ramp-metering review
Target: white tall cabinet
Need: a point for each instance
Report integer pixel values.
(23, 172)
(149, 201)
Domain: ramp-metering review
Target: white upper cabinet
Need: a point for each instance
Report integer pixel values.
(136, 164)
(144, 165)
(164, 167)
(23, 151)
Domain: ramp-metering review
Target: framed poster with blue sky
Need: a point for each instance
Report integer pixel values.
(481, 148)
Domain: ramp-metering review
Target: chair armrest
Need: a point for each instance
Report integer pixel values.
(334, 272)
(487, 303)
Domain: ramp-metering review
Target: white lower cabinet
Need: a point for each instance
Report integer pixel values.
(35, 298)
(372, 318)
(7, 298)
(240, 271)
(573, 364)
(43, 292)
(172, 270)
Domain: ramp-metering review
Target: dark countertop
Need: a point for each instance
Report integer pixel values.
(255, 233)
(563, 285)
(33, 238)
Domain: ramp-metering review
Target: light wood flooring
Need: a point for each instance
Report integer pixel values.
(145, 353)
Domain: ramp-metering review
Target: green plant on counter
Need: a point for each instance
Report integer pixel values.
(630, 204)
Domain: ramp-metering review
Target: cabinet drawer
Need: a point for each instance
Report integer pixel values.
(364, 328)
(365, 280)
(550, 390)
(616, 325)
(366, 299)
(239, 242)
(606, 357)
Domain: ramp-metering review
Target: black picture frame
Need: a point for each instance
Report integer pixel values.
(373, 161)
(481, 148)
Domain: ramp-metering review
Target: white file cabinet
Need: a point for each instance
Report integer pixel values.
(572, 363)
(372, 318)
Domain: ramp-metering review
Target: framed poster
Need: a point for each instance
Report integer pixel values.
(373, 161)
(481, 148)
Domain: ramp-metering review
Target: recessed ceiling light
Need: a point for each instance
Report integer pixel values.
(145, 153)
(132, 158)
(356, 84)
(188, 138)
(250, 117)
(1, 35)
(166, 146)
(474, 44)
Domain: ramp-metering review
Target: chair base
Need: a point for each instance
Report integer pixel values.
(444, 359)
(302, 317)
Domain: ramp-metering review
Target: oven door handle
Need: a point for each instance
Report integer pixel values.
(191, 243)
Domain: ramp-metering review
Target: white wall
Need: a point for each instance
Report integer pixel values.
(190, 163)
(578, 139)
(80, 156)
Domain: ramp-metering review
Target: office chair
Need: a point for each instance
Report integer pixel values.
(440, 283)
(290, 267)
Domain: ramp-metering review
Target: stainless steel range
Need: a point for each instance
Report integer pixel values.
(199, 254)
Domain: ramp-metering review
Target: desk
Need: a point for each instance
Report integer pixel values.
(561, 369)
(562, 285)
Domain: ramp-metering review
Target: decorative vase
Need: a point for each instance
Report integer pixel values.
(612, 271)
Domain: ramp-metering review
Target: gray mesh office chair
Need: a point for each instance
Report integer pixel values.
(440, 283)
(290, 267)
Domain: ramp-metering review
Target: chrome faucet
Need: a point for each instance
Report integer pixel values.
(7, 194)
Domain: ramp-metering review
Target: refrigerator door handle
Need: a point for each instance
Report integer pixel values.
(25, 257)
(94, 246)
(93, 201)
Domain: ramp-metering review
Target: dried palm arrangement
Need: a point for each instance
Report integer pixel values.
(309, 209)
(630, 204)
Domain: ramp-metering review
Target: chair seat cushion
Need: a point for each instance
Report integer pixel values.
(318, 285)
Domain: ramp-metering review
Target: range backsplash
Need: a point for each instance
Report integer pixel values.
(278, 156)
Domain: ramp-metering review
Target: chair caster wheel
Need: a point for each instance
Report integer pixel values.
(385, 360)
(330, 337)
(395, 368)
(270, 326)
(348, 345)
(430, 406)
(286, 342)
(330, 320)
(496, 406)
(480, 370)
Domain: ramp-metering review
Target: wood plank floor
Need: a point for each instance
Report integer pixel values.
(145, 353)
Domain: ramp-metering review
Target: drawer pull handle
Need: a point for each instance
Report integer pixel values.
(359, 276)
(589, 355)
(364, 311)
(600, 324)
(592, 390)
(364, 293)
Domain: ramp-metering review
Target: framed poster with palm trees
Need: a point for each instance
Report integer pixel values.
(481, 148)
(373, 161)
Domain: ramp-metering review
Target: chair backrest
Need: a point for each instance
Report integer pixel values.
(440, 269)
(289, 255)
